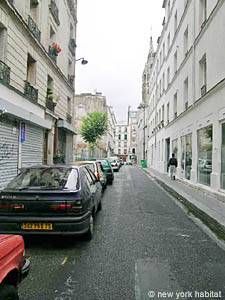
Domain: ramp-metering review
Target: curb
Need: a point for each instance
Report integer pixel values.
(209, 221)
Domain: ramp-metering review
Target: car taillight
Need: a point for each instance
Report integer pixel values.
(13, 206)
(74, 207)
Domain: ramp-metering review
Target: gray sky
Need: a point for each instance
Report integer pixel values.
(113, 35)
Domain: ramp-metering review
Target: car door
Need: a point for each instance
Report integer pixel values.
(87, 199)
(98, 187)
(92, 187)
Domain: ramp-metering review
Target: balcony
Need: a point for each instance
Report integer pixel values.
(4, 73)
(34, 28)
(54, 11)
(203, 90)
(50, 104)
(30, 92)
(69, 118)
(71, 79)
(72, 46)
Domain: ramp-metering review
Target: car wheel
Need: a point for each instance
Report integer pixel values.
(8, 292)
(90, 232)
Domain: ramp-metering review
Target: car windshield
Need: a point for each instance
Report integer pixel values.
(44, 178)
(105, 164)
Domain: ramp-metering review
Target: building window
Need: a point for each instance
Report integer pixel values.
(34, 10)
(168, 43)
(168, 76)
(163, 82)
(186, 155)
(119, 151)
(203, 75)
(205, 143)
(175, 106)
(31, 70)
(175, 147)
(163, 113)
(203, 12)
(168, 113)
(175, 62)
(175, 22)
(125, 151)
(125, 137)
(3, 42)
(186, 93)
(50, 88)
(119, 137)
(186, 42)
(69, 105)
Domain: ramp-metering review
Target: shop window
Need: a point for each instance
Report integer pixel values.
(223, 158)
(186, 155)
(175, 147)
(31, 70)
(205, 143)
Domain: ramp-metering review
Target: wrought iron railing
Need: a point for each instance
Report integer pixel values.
(4, 73)
(34, 28)
(30, 92)
(72, 46)
(50, 104)
(69, 118)
(54, 11)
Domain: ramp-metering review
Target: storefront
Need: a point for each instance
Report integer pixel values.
(186, 155)
(205, 144)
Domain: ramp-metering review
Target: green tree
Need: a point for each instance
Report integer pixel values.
(93, 127)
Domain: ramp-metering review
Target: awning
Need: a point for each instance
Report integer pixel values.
(23, 114)
(66, 126)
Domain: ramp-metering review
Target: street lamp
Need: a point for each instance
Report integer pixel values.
(143, 106)
(83, 61)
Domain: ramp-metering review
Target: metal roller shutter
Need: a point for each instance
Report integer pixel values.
(9, 141)
(32, 147)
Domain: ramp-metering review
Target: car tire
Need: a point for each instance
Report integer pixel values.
(8, 292)
(90, 232)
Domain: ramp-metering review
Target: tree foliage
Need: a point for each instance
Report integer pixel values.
(93, 127)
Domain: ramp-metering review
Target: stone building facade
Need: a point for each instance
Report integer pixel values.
(111, 131)
(87, 103)
(37, 67)
(185, 111)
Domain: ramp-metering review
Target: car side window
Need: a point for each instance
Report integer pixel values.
(87, 172)
(91, 175)
(84, 179)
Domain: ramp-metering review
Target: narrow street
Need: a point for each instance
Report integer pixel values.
(144, 243)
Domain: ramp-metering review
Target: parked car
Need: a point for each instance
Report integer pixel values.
(107, 168)
(14, 267)
(55, 199)
(97, 169)
(114, 163)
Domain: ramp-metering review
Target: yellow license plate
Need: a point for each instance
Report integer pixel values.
(37, 226)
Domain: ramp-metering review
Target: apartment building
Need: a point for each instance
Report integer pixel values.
(185, 111)
(132, 128)
(37, 66)
(122, 140)
(87, 103)
(111, 131)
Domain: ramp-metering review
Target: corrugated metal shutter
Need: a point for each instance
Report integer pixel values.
(9, 140)
(32, 147)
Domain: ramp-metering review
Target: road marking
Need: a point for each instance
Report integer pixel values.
(64, 261)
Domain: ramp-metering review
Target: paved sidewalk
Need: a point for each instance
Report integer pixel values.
(206, 205)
